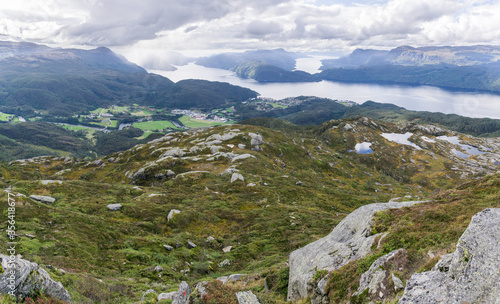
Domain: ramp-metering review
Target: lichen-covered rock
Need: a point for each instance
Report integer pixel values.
(171, 214)
(246, 297)
(349, 240)
(166, 295)
(146, 293)
(115, 207)
(43, 199)
(28, 278)
(182, 295)
(379, 276)
(237, 176)
(469, 275)
(191, 244)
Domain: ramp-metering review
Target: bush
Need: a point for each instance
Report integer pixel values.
(217, 293)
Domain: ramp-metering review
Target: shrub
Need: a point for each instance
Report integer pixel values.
(217, 293)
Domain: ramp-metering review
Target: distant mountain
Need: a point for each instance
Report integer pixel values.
(468, 68)
(62, 82)
(262, 65)
(230, 61)
(410, 56)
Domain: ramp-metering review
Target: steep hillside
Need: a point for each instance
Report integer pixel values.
(468, 68)
(261, 191)
(37, 80)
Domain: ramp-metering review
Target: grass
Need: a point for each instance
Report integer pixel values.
(197, 123)
(5, 117)
(263, 223)
(154, 125)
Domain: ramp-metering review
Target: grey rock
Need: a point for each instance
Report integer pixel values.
(233, 277)
(241, 146)
(256, 139)
(97, 162)
(251, 185)
(398, 284)
(168, 247)
(210, 239)
(158, 269)
(348, 241)
(200, 289)
(182, 296)
(241, 156)
(191, 244)
(146, 293)
(170, 173)
(166, 295)
(468, 275)
(321, 287)
(111, 160)
(43, 199)
(299, 183)
(114, 207)
(29, 278)
(225, 263)
(374, 277)
(227, 249)
(237, 176)
(50, 181)
(246, 297)
(171, 214)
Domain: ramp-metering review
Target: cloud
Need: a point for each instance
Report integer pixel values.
(242, 24)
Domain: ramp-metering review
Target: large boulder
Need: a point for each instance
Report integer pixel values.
(182, 296)
(349, 240)
(379, 277)
(43, 199)
(246, 297)
(471, 274)
(26, 278)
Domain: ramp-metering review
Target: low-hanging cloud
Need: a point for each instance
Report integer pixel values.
(243, 24)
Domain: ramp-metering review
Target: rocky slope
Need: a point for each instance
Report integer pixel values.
(232, 202)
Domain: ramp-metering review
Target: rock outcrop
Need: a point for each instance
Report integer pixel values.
(43, 199)
(379, 277)
(471, 274)
(246, 297)
(182, 296)
(28, 278)
(349, 240)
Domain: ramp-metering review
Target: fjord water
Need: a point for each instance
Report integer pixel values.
(419, 98)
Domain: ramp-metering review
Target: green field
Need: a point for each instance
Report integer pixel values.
(277, 105)
(154, 125)
(5, 117)
(197, 123)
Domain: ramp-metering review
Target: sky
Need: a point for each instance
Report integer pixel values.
(142, 28)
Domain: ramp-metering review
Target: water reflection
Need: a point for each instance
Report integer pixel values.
(420, 98)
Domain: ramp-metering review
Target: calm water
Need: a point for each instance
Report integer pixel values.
(421, 98)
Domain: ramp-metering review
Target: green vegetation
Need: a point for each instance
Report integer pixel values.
(154, 125)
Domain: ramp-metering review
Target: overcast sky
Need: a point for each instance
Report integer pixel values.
(145, 26)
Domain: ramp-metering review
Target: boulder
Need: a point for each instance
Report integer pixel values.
(227, 249)
(191, 244)
(170, 173)
(28, 278)
(225, 263)
(182, 295)
(246, 297)
(377, 278)
(171, 214)
(470, 274)
(43, 199)
(114, 207)
(200, 289)
(237, 176)
(145, 294)
(166, 295)
(168, 247)
(348, 241)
